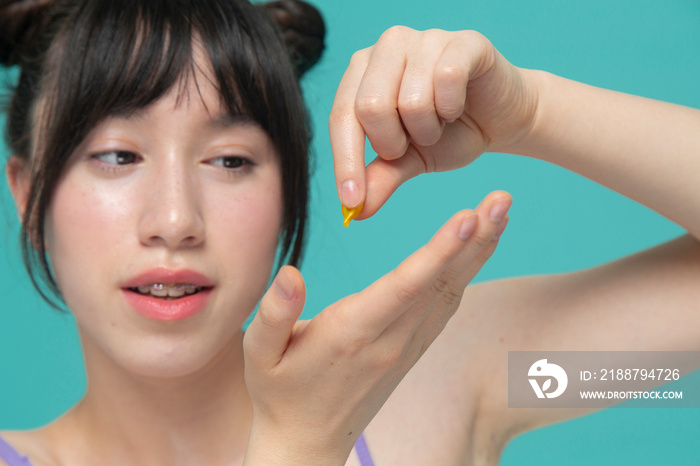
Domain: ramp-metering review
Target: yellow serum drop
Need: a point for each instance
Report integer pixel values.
(349, 214)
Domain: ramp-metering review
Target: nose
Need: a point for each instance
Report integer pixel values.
(172, 214)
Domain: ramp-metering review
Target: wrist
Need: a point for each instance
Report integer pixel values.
(527, 139)
(270, 446)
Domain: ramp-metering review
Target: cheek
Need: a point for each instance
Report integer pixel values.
(245, 227)
(81, 222)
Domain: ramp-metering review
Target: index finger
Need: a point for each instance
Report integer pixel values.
(387, 298)
(347, 135)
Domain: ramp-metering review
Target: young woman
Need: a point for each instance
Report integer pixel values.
(160, 157)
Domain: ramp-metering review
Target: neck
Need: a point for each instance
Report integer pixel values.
(200, 418)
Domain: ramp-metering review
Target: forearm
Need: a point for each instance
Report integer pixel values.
(644, 149)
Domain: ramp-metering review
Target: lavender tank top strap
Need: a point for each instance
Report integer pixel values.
(10, 456)
(363, 452)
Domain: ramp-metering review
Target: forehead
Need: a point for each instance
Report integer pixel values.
(195, 87)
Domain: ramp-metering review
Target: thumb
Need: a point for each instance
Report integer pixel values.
(268, 335)
(385, 176)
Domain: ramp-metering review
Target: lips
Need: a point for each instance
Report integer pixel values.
(167, 295)
(162, 275)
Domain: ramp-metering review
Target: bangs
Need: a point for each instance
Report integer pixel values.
(118, 57)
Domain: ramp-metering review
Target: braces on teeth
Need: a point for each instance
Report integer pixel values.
(172, 291)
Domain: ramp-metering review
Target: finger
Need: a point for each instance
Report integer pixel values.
(435, 323)
(383, 178)
(347, 135)
(268, 336)
(383, 302)
(452, 72)
(442, 297)
(376, 103)
(416, 101)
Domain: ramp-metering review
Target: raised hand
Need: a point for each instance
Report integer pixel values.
(316, 384)
(427, 101)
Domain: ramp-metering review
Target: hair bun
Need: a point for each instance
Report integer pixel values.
(21, 22)
(302, 29)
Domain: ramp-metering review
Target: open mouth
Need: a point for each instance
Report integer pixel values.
(168, 291)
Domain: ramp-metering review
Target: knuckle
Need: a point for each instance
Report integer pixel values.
(434, 34)
(372, 108)
(359, 342)
(269, 319)
(395, 33)
(451, 298)
(390, 358)
(339, 115)
(450, 75)
(415, 106)
(444, 286)
(408, 293)
(450, 110)
(389, 148)
(483, 239)
(441, 285)
(360, 57)
(474, 38)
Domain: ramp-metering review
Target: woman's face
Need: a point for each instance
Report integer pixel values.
(178, 199)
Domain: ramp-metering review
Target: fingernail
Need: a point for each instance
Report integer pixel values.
(284, 285)
(467, 227)
(350, 194)
(499, 231)
(499, 210)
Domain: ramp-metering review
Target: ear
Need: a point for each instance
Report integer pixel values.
(18, 178)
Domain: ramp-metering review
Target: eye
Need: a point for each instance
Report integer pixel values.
(231, 162)
(116, 157)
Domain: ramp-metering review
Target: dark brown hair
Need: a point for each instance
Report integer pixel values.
(84, 60)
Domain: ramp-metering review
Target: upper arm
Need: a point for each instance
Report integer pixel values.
(648, 301)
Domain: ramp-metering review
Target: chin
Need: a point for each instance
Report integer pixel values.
(165, 356)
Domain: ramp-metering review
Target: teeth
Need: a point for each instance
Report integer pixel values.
(169, 290)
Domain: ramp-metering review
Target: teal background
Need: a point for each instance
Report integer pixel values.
(559, 221)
